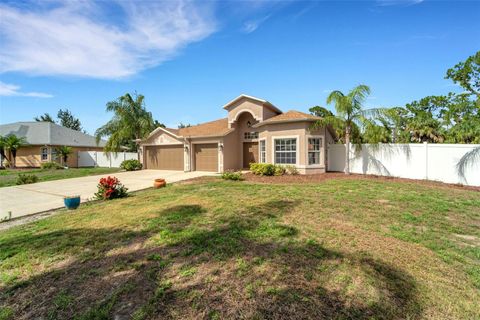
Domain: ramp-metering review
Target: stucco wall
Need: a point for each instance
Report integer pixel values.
(300, 131)
(245, 105)
(231, 151)
(30, 156)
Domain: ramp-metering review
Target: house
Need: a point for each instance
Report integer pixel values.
(253, 131)
(44, 138)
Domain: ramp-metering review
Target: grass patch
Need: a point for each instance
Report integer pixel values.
(8, 177)
(343, 249)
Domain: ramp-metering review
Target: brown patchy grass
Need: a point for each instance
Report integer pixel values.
(344, 248)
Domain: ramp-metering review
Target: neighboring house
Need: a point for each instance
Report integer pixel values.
(43, 138)
(254, 131)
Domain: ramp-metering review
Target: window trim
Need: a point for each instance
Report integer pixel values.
(322, 150)
(297, 143)
(264, 140)
(41, 154)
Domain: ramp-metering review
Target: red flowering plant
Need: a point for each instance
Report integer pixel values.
(110, 188)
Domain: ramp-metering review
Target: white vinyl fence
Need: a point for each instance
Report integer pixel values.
(104, 159)
(415, 161)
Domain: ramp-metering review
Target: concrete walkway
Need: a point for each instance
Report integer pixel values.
(43, 196)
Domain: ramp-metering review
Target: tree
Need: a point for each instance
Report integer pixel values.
(350, 113)
(131, 121)
(422, 119)
(67, 120)
(183, 125)
(12, 144)
(2, 150)
(374, 133)
(467, 74)
(320, 112)
(46, 117)
(395, 120)
(64, 152)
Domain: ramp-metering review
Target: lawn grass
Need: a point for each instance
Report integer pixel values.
(8, 177)
(342, 249)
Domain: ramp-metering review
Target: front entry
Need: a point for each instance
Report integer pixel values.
(250, 153)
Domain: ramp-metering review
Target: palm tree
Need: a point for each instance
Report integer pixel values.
(12, 144)
(46, 117)
(349, 108)
(131, 121)
(64, 152)
(2, 150)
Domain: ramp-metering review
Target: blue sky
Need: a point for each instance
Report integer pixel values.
(190, 58)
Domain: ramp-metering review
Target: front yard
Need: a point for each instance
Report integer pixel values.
(8, 177)
(345, 248)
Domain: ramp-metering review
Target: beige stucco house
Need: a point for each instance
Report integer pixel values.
(253, 131)
(43, 139)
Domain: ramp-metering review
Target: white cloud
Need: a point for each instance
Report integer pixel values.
(107, 40)
(252, 25)
(398, 2)
(9, 90)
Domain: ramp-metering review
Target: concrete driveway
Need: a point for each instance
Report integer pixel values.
(39, 197)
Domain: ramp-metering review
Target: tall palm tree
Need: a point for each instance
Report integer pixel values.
(12, 144)
(349, 108)
(2, 150)
(64, 152)
(131, 121)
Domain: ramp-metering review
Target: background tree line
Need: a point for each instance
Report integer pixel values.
(450, 118)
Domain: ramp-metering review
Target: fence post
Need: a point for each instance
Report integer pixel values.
(425, 144)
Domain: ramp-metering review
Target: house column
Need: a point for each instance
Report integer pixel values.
(187, 147)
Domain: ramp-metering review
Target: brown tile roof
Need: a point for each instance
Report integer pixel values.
(213, 128)
(174, 131)
(291, 115)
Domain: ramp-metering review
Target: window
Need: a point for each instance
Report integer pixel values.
(250, 135)
(314, 150)
(286, 151)
(263, 153)
(44, 153)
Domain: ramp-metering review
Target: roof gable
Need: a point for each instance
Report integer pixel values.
(264, 102)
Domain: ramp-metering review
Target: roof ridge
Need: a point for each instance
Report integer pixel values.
(206, 122)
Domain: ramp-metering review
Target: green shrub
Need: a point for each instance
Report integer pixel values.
(26, 179)
(131, 165)
(51, 166)
(232, 175)
(262, 169)
(279, 170)
(291, 170)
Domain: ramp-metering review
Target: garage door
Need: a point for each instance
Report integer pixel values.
(206, 157)
(164, 157)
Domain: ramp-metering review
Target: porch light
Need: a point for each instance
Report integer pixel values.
(186, 148)
(249, 124)
(220, 145)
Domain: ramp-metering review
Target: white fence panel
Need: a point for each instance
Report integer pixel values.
(414, 161)
(86, 158)
(104, 159)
